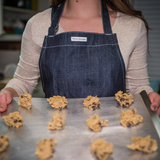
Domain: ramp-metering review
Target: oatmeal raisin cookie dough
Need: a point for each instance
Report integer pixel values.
(45, 148)
(57, 122)
(130, 118)
(14, 120)
(145, 144)
(102, 149)
(95, 123)
(4, 142)
(25, 100)
(58, 102)
(91, 102)
(124, 99)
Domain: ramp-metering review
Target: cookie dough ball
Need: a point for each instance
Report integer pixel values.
(58, 102)
(4, 142)
(25, 100)
(105, 123)
(95, 123)
(146, 144)
(102, 149)
(124, 99)
(91, 102)
(45, 148)
(57, 122)
(130, 118)
(14, 120)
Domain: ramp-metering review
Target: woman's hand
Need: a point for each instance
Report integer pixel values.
(6, 96)
(155, 102)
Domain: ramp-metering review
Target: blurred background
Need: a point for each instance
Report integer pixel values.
(15, 13)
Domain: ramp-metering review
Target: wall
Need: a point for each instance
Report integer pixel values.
(10, 49)
(43, 4)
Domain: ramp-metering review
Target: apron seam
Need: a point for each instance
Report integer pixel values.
(79, 45)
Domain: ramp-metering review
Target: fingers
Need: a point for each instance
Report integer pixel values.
(5, 99)
(158, 111)
(3, 107)
(3, 104)
(154, 106)
(155, 102)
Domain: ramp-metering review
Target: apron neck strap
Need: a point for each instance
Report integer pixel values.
(57, 12)
(105, 19)
(55, 17)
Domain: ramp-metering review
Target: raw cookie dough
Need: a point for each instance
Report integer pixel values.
(58, 102)
(57, 122)
(45, 148)
(146, 144)
(95, 123)
(124, 99)
(91, 102)
(13, 119)
(102, 149)
(130, 118)
(25, 100)
(4, 142)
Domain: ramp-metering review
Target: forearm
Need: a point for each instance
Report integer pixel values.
(27, 72)
(137, 78)
(11, 90)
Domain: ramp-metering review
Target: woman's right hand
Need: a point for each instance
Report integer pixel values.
(6, 96)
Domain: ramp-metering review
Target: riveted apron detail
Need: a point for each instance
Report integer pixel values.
(78, 64)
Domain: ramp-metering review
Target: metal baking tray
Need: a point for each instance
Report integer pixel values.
(73, 141)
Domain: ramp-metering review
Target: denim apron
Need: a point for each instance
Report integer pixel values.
(78, 64)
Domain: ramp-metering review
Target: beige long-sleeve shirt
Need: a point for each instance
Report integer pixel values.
(132, 39)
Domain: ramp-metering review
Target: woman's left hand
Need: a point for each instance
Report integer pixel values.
(155, 102)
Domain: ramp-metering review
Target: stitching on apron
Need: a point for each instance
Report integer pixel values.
(51, 36)
(80, 45)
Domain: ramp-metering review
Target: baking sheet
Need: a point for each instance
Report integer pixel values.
(73, 142)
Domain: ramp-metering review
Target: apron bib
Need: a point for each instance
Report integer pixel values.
(78, 64)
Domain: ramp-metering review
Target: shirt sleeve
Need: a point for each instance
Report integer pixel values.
(27, 72)
(137, 78)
